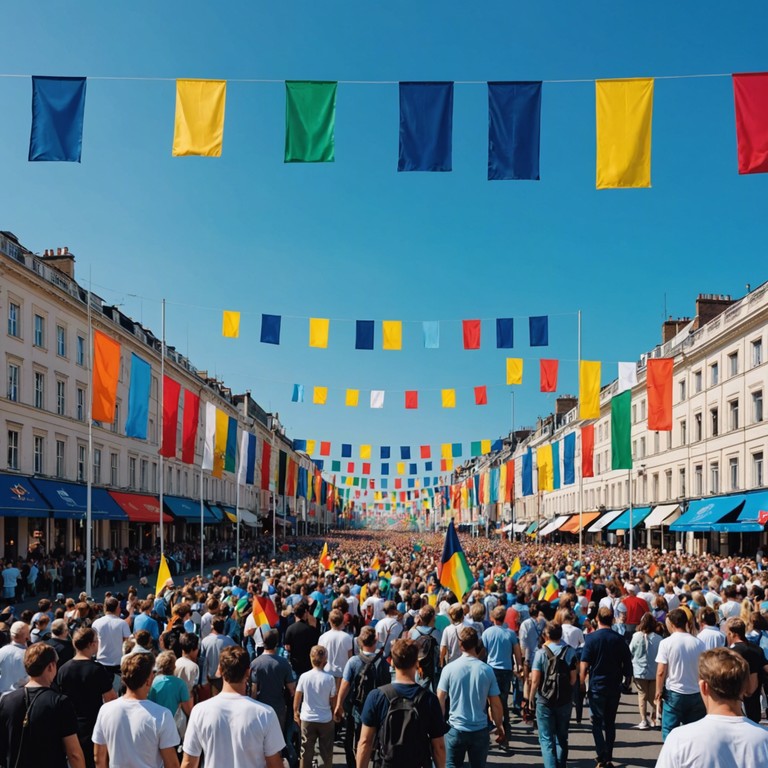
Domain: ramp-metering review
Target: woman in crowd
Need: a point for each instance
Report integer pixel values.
(643, 647)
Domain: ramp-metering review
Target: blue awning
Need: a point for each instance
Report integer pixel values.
(752, 518)
(703, 514)
(532, 527)
(621, 523)
(19, 498)
(189, 510)
(69, 501)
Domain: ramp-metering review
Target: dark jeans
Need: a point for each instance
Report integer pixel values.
(680, 709)
(553, 733)
(604, 706)
(351, 737)
(578, 701)
(504, 681)
(473, 744)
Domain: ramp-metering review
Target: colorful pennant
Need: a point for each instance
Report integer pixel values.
(58, 108)
(199, 122)
(310, 116)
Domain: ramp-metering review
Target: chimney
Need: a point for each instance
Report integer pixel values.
(565, 404)
(62, 260)
(710, 305)
(670, 328)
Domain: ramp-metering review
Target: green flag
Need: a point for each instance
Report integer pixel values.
(310, 116)
(621, 431)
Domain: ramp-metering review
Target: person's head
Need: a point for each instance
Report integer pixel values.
(677, 620)
(723, 676)
(318, 656)
(405, 654)
(477, 612)
(136, 671)
(143, 638)
(498, 614)
(165, 663)
(735, 630)
(390, 607)
(19, 632)
(85, 639)
(190, 644)
(456, 613)
(146, 606)
(707, 617)
(234, 664)
(336, 618)
(300, 612)
(111, 605)
(43, 622)
(44, 605)
(367, 638)
(271, 639)
(217, 625)
(426, 615)
(59, 628)
(605, 617)
(40, 663)
(647, 623)
(468, 639)
(553, 631)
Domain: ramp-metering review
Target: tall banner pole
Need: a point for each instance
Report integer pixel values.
(202, 526)
(89, 470)
(237, 514)
(581, 479)
(631, 510)
(160, 421)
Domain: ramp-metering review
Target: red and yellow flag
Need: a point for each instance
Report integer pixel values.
(106, 370)
(325, 559)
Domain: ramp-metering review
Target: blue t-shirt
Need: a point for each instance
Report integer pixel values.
(609, 661)
(168, 691)
(498, 643)
(468, 683)
(142, 621)
(540, 659)
(377, 706)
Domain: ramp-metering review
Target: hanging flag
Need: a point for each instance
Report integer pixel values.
(364, 334)
(138, 398)
(310, 117)
(548, 375)
(199, 124)
(400, 467)
(282, 471)
(426, 126)
(750, 91)
(298, 393)
(545, 468)
(230, 324)
(270, 329)
(475, 449)
(431, 330)
(627, 377)
(659, 384)
(163, 575)
(346, 450)
(587, 450)
(624, 116)
(310, 447)
(505, 333)
(411, 398)
(209, 446)
(405, 452)
(589, 389)
(514, 125)
(569, 459)
(456, 450)
(318, 332)
(425, 452)
(58, 108)
(351, 467)
(230, 455)
(528, 473)
(246, 440)
(325, 448)
(412, 469)
(106, 371)
(471, 333)
(384, 452)
(514, 370)
(171, 393)
(220, 446)
(481, 395)
(392, 334)
(189, 426)
(556, 464)
(319, 395)
(352, 398)
(290, 478)
(335, 466)
(301, 484)
(538, 331)
(365, 451)
(454, 573)
(621, 431)
(485, 447)
(510, 489)
(366, 468)
(448, 398)
(385, 468)
(377, 398)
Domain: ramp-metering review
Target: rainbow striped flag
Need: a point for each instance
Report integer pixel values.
(264, 613)
(551, 591)
(454, 573)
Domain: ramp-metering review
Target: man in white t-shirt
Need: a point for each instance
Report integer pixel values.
(111, 631)
(233, 729)
(731, 607)
(724, 737)
(709, 634)
(313, 705)
(133, 726)
(11, 576)
(677, 678)
(449, 642)
(373, 606)
(338, 645)
(389, 628)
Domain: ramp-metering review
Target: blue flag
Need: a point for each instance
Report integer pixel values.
(364, 334)
(569, 458)
(58, 106)
(556, 464)
(270, 329)
(505, 333)
(538, 328)
(528, 473)
(138, 398)
(250, 469)
(514, 128)
(426, 127)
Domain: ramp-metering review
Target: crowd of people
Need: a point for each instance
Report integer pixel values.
(281, 658)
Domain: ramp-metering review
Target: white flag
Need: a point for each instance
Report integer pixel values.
(627, 376)
(210, 435)
(377, 398)
(243, 465)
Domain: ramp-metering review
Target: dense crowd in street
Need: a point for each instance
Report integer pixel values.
(284, 657)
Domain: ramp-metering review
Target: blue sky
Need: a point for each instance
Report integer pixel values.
(355, 239)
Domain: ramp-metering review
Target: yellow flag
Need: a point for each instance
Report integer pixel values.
(446, 451)
(349, 481)
(319, 395)
(311, 447)
(503, 482)
(624, 116)
(199, 125)
(352, 398)
(163, 574)
(545, 467)
(449, 398)
(318, 332)
(392, 334)
(220, 446)
(365, 451)
(230, 324)
(485, 446)
(449, 465)
(589, 389)
(400, 468)
(514, 370)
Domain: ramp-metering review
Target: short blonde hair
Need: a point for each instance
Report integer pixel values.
(165, 663)
(318, 656)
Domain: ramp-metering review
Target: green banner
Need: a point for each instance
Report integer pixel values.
(621, 431)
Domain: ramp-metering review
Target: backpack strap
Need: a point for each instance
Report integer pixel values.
(390, 692)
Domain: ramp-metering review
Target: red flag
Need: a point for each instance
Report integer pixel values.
(510, 489)
(189, 426)
(325, 448)
(372, 484)
(290, 481)
(481, 396)
(750, 91)
(548, 375)
(398, 483)
(264, 607)
(456, 496)
(171, 393)
(318, 486)
(106, 372)
(653, 570)
(366, 468)
(351, 467)
(587, 450)
(471, 330)
(425, 452)
(443, 465)
(659, 383)
(266, 457)
(411, 398)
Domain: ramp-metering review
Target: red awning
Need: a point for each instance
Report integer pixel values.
(140, 507)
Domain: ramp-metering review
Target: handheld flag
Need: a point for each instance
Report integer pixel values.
(163, 574)
(514, 569)
(325, 559)
(375, 564)
(653, 570)
(552, 590)
(264, 613)
(454, 573)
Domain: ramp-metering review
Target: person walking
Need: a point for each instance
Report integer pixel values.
(531, 631)
(427, 637)
(608, 664)
(111, 631)
(339, 646)
(644, 647)
(709, 633)
(313, 705)
(61, 642)
(211, 649)
(449, 641)
(12, 671)
(170, 691)
(300, 638)
(735, 637)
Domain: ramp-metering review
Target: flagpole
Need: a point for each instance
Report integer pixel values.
(160, 421)
(237, 514)
(89, 471)
(202, 526)
(631, 502)
(581, 478)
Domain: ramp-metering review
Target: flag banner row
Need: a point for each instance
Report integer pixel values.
(623, 124)
(406, 453)
(391, 332)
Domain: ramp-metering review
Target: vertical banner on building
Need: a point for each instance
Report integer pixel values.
(621, 431)
(545, 468)
(509, 494)
(138, 398)
(659, 384)
(230, 456)
(588, 450)
(171, 394)
(266, 460)
(209, 446)
(220, 445)
(569, 459)
(106, 371)
(189, 426)
(282, 471)
(556, 464)
(528, 473)
(589, 389)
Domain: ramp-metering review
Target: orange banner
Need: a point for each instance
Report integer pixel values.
(659, 383)
(106, 371)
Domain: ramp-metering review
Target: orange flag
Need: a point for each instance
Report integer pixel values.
(659, 383)
(106, 370)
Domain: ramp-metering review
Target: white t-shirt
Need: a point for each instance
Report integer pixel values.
(258, 634)
(339, 645)
(317, 688)
(233, 730)
(134, 732)
(205, 624)
(716, 741)
(188, 671)
(729, 609)
(712, 637)
(377, 603)
(387, 631)
(112, 630)
(450, 640)
(680, 652)
(572, 636)
(673, 601)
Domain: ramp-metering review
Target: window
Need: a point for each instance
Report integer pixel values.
(668, 477)
(39, 390)
(81, 464)
(61, 341)
(757, 352)
(697, 427)
(634, 449)
(13, 382)
(39, 454)
(656, 487)
(757, 406)
(154, 480)
(39, 340)
(757, 469)
(13, 449)
(152, 432)
(714, 374)
(714, 477)
(97, 465)
(655, 442)
(697, 381)
(131, 472)
(683, 432)
(143, 478)
(61, 404)
(698, 480)
(733, 414)
(642, 410)
(733, 363)
(733, 472)
(113, 469)
(80, 404)
(80, 350)
(642, 447)
(14, 320)
(116, 421)
(681, 389)
(169, 480)
(60, 458)
(713, 421)
(682, 482)
(599, 469)
(634, 413)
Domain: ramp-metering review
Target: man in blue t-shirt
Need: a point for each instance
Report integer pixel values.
(470, 685)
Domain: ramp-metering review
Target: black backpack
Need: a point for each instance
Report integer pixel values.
(556, 688)
(403, 739)
(366, 679)
(428, 653)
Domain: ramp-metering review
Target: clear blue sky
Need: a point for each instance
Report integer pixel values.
(355, 239)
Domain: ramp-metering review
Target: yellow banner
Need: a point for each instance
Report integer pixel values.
(352, 398)
(514, 370)
(449, 398)
(230, 324)
(365, 451)
(319, 395)
(220, 445)
(318, 332)
(199, 125)
(589, 389)
(392, 334)
(546, 470)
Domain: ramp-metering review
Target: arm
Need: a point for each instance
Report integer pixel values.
(518, 657)
(443, 654)
(497, 714)
(752, 684)
(438, 752)
(534, 685)
(583, 670)
(186, 706)
(110, 695)
(274, 761)
(189, 762)
(441, 697)
(297, 697)
(661, 677)
(74, 751)
(169, 757)
(365, 746)
(338, 713)
(100, 755)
